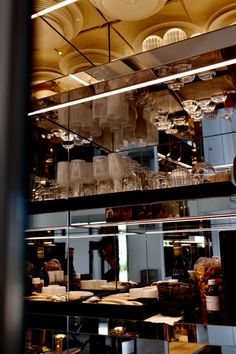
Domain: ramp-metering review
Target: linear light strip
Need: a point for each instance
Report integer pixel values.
(31, 238)
(52, 8)
(205, 229)
(165, 220)
(76, 78)
(135, 86)
(154, 232)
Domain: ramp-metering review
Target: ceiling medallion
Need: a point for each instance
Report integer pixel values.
(129, 10)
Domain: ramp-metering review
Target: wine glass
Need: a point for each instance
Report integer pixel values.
(89, 187)
(77, 176)
(116, 170)
(101, 174)
(62, 179)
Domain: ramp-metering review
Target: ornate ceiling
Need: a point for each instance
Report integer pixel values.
(89, 33)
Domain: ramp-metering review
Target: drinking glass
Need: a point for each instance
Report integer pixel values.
(226, 113)
(116, 170)
(89, 187)
(101, 174)
(204, 171)
(190, 106)
(220, 98)
(198, 115)
(77, 176)
(207, 75)
(117, 109)
(160, 180)
(99, 109)
(204, 103)
(62, 174)
(132, 180)
(146, 178)
(180, 177)
(176, 85)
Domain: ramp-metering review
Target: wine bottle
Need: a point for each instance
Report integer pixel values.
(179, 270)
(213, 302)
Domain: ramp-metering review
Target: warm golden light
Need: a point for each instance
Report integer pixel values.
(52, 8)
(135, 86)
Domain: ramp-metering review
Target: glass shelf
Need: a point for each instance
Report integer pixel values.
(207, 190)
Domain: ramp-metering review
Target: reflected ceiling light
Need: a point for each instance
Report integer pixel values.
(52, 8)
(76, 78)
(199, 218)
(135, 86)
(174, 35)
(152, 42)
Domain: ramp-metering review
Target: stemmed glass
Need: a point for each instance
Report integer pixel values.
(89, 187)
(62, 179)
(116, 170)
(101, 174)
(77, 176)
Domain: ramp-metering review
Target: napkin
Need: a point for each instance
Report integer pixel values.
(159, 318)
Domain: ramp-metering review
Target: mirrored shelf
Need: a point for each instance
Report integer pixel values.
(204, 190)
(191, 332)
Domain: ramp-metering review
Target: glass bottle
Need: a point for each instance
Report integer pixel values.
(59, 343)
(36, 285)
(179, 270)
(69, 269)
(213, 302)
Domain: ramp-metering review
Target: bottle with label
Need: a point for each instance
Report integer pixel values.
(213, 302)
(179, 270)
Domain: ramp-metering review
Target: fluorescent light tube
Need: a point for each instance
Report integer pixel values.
(52, 8)
(76, 78)
(135, 86)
